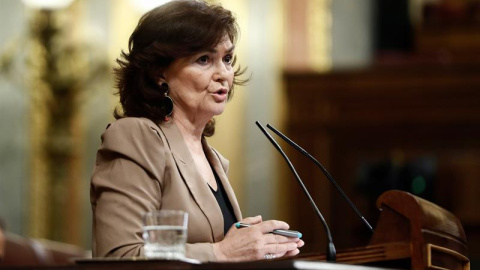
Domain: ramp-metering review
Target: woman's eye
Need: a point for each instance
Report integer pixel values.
(203, 59)
(228, 59)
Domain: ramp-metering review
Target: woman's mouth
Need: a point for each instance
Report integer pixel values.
(220, 95)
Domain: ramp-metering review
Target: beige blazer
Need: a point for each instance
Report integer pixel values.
(141, 166)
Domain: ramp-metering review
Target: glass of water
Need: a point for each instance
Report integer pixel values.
(165, 234)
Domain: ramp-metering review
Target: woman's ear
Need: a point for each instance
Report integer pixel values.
(160, 74)
(161, 79)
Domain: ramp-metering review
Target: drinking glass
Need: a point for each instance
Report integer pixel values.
(165, 234)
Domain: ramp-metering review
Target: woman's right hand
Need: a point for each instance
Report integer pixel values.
(254, 242)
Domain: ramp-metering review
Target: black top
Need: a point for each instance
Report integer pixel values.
(227, 210)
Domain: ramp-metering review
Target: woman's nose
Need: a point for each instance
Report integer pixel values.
(221, 72)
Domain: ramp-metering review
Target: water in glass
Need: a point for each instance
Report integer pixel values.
(165, 241)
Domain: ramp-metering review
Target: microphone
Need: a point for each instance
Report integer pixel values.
(331, 252)
(325, 172)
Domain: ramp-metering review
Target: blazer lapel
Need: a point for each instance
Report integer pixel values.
(220, 165)
(198, 187)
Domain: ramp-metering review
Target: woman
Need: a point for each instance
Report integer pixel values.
(177, 75)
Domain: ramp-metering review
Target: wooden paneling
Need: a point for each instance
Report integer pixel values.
(399, 118)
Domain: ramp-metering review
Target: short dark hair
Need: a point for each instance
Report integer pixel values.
(174, 30)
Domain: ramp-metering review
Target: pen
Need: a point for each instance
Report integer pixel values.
(287, 233)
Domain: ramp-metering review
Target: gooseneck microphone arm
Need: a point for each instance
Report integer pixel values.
(331, 252)
(325, 172)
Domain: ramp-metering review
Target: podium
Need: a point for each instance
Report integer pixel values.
(253, 265)
(411, 233)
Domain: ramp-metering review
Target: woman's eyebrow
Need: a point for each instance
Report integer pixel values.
(229, 50)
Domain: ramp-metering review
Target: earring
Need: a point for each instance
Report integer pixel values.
(166, 105)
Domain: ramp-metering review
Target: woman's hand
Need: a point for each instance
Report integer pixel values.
(256, 241)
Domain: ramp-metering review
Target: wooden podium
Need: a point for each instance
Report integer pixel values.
(411, 233)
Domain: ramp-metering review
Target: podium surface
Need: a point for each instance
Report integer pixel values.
(261, 264)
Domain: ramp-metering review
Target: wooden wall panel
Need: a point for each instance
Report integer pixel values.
(404, 117)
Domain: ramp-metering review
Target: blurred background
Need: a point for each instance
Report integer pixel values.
(385, 93)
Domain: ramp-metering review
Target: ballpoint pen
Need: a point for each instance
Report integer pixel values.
(287, 233)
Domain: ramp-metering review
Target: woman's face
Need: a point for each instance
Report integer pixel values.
(199, 85)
